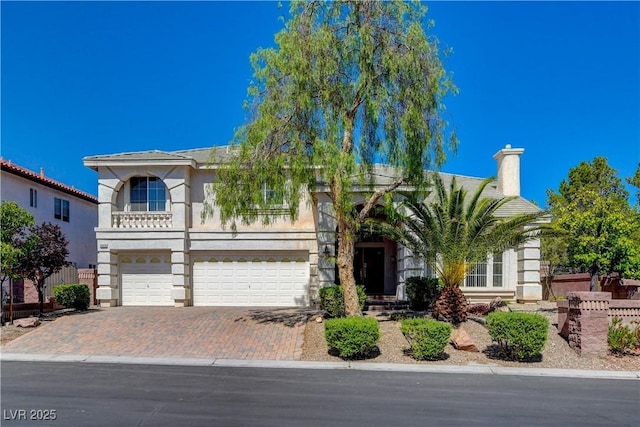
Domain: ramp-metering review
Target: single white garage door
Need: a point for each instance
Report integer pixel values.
(226, 279)
(146, 280)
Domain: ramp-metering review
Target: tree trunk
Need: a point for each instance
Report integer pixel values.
(344, 261)
(40, 289)
(593, 286)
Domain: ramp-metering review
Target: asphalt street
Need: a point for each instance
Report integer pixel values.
(81, 394)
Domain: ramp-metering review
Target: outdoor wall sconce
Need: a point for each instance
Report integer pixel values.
(326, 252)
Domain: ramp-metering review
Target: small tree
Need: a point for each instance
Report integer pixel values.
(602, 228)
(13, 224)
(553, 254)
(44, 253)
(348, 85)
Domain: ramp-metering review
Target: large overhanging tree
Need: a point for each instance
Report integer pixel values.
(349, 84)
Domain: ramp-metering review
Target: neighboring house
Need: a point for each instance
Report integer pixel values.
(76, 212)
(154, 248)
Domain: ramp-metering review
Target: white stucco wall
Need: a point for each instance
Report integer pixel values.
(83, 215)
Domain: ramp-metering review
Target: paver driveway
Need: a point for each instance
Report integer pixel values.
(193, 332)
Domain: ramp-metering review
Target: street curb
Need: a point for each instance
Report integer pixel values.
(294, 364)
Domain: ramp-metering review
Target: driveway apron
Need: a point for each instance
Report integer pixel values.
(190, 332)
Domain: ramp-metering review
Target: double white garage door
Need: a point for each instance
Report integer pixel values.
(251, 280)
(220, 279)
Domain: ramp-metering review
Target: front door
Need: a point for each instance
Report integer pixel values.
(368, 269)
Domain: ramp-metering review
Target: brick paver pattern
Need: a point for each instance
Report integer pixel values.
(190, 332)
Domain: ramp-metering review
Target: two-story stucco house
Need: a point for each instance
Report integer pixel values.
(155, 249)
(48, 200)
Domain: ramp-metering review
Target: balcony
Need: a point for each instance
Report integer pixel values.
(140, 220)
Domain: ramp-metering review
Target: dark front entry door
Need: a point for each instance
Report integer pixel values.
(368, 268)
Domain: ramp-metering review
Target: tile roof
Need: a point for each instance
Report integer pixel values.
(199, 155)
(40, 178)
(383, 173)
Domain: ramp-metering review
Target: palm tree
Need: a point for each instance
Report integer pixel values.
(451, 233)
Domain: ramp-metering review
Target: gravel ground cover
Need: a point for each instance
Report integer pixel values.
(393, 347)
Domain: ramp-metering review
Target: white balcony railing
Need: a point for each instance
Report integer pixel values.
(141, 220)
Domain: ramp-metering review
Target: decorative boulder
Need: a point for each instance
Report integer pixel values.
(28, 322)
(461, 340)
(496, 303)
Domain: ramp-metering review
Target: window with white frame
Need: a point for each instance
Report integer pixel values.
(497, 270)
(33, 198)
(477, 276)
(429, 271)
(487, 273)
(147, 194)
(61, 209)
(271, 197)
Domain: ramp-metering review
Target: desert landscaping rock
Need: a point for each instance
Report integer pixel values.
(27, 322)
(461, 340)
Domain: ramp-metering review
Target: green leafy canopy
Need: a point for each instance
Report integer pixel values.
(14, 222)
(349, 84)
(603, 230)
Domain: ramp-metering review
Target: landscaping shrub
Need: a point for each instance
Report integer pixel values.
(519, 335)
(352, 337)
(73, 296)
(622, 338)
(427, 337)
(422, 291)
(400, 315)
(332, 300)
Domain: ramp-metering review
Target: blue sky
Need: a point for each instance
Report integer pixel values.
(560, 79)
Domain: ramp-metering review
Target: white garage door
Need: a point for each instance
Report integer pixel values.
(251, 280)
(146, 280)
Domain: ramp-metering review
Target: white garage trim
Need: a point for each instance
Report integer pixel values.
(146, 279)
(251, 279)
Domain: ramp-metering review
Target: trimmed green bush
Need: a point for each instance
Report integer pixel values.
(352, 337)
(73, 296)
(622, 338)
(422, 291)
(519, 335)
(332, 300)
(427, 337)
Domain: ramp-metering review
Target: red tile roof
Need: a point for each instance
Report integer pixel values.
(42, 179)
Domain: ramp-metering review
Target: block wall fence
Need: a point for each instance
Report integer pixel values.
(584, 318)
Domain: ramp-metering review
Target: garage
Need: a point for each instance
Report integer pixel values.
(146, 280)
(251, 279)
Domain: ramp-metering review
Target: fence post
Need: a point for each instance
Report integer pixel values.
(89, 277)
(588, 322)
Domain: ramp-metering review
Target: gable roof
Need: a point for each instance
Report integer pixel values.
(201, 156)
(516, 206)
(40, 178)
(385, 174)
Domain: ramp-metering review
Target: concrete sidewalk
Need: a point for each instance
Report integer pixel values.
(290, 364)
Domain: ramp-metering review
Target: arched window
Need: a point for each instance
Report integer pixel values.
(147, 193)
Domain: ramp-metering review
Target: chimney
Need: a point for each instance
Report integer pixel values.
(41, 172)
(509, 170)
